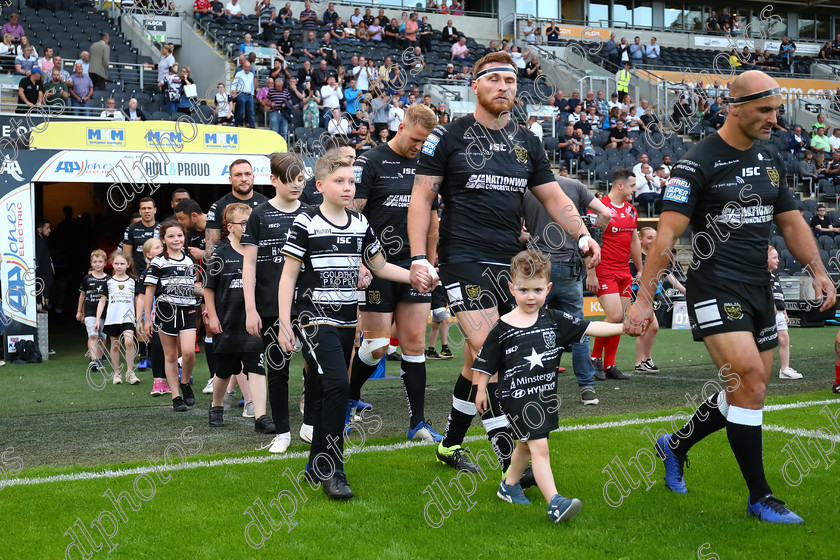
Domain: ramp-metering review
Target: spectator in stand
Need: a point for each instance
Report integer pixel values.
(765, 61)
(528, 31)
(835, 47)
(535, 126)
(65, 75)
(834, 139)
(820, 143)
(450, 33)
(623, 52)
(24, 42)
(331, 97)
(450, 75)
(712, 23)
(327, 50)
(330, 15)
(353, 97)
(308, 18)
(412, 27)
(338, 125)
(637, 51)
(786, 50)
(424, 35)
(519, 59)
(532, 69)
(30, 91)
(111, 111)
(808, 172)
(724, 22)
(603, 104)
(396, 115)
(337, 30)
(320, 75)
(798, 142)
(133, 111)
(748, 59)
(172, 88)
(576, 115)
(356, 18)
(46, 63)
(825, 52)
(267, 14)
(375, 31)
(819, 124)
(368, 17)
(166, 61)
(306, 73)
(648, 188)
(81, 90)
(222, 102)
(618, 137)
(432, 6)
(262, 96)
(8, 52)
(26, 63)
(244, 87)
(309, 48)
(461, 53)
(202, 10)
(100, 59)
(279, 105)
(552, 33)
(821, 224)
(14, 28)
(56, 91)
(465, 75)
(652, 52)
(247, 45)
(456, 8)
(233, 11)
(570, 146)
(829, 171)
(637, 169)
(392, 34)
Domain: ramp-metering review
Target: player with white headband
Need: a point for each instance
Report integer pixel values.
(481, 166)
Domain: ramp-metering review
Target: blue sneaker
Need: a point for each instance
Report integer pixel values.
(562, 509)
(362, 405)
(673, 465)
(241, 402)
(424, 431)
(512, 494)
(348, 417)
(773, 510)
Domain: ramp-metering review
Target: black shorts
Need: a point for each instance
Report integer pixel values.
(719, 306)
(117, 329)
(532, 416)
(238, 362)
(382, 296)
(474, 286)
(173, 319)
(439, 300)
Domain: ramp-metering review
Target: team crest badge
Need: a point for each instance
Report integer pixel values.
(374, 296)
(473, 291)
(521, 154)
(359, 244)
(122, 286)
(774, 176)
(550, 338)
(733, 310)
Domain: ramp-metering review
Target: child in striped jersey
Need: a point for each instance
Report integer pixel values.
(151, 249)
(120, 319)
(323, 253)
(171, 285)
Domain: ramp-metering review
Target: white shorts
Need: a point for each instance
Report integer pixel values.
(89, 322)
(781, 321)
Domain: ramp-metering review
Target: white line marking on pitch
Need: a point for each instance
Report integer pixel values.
(392, 447)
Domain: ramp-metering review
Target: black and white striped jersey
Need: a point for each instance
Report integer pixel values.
(330, 256)
(174, 279)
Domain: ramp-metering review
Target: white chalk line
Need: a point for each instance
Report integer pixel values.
(248, 460)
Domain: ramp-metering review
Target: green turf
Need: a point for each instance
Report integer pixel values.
(77, 429)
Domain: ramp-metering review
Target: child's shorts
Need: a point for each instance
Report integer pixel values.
(235, 363)
(173, 319)
(89, 322)
(117, 329)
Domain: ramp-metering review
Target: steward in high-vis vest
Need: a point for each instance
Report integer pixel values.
(622, 77)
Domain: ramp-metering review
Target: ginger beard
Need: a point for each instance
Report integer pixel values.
(496, 91)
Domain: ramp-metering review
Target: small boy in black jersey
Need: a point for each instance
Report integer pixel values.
(321, 272)
(524, 348)
(93, 285)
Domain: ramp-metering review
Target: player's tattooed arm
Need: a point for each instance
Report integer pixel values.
(211, 238)
(358, 205)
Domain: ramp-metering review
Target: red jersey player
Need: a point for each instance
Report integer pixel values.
(611, 280)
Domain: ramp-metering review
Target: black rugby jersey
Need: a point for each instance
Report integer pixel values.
(485, 175)
(93, 288)
(527, 358)
(268, 229)
(225, 279)
(731, 197)
(136, 235)
(174, 279)
(385, 179)
(310, 195)
(327, 284)
(216, 214)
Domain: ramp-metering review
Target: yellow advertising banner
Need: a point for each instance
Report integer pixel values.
(144, 136)
(808, 88)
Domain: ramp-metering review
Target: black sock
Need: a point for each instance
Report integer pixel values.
(459, 422)
(413, 375)
(745, 442)
(144, 350)
(707, 419)
(498, 430)
(361, 373)
(210, 355)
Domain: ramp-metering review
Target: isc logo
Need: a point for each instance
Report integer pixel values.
(749, 172)
(68, 167)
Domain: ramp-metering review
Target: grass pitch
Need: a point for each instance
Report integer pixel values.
(68, 453)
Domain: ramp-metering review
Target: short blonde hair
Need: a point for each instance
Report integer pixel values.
(328, 163)
(422, 115)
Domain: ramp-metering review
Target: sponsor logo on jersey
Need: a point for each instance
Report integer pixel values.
(521, 154)
(737, 216)
(121, 286)
(719, 163)
(357, 172)
(274, 225)
(473, 291)
(518, 393)
(676, 190)
(773, 173)
(497, 183)
(750, 171)
(374, 296)
(235, 284)
(397, 200)
(359, 244)
(511, 350)
(549, 338)
(733, 310)
(430, 144)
